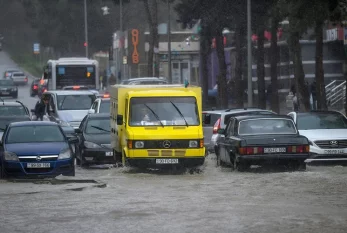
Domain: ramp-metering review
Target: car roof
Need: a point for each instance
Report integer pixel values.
(15, 117)
(240, 118)
(318, 112)
(12, 70)
(99, 116)
(237, 110)
(70, 92)
(9, 103)
(30, 123)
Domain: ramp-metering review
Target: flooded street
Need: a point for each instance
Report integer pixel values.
(216, 200)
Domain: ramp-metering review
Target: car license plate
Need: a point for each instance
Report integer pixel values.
(275, 150)
(334, 152)
(166, 161)
(38, 165)
(109, 153)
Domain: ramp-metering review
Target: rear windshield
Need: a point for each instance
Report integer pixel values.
(105, 106)
(5, 122)
(75, 102)
(227, 117)
(266, 126)
(213, 118)
(18, 74)
(321, 121)
(12, 111)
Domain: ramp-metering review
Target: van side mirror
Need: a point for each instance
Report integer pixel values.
(221, 131)
(119, 119)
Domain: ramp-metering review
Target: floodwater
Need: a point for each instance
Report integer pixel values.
(216, 200)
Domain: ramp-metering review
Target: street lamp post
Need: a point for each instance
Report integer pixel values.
(86, 27)
(169, 41)
(249, 54)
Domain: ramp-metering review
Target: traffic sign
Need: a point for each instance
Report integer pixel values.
(36, 48)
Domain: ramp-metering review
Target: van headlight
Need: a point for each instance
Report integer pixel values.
(91, 145)
(10, 156)
(193, 143)
(64, 154)
(139, 144)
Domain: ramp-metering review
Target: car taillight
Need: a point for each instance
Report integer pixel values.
(35, 87)
(216, 126)
(251, 150)
(106, 96)
(76, 87)
(44, 90)
(299, 149)
(26, 79)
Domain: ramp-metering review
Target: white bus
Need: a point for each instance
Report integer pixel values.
(71, 72)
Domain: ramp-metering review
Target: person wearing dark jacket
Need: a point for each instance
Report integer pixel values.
(40, 108)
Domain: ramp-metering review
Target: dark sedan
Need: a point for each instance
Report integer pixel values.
(34, 88)
(259, 140)
(95, 140)
(8, 88)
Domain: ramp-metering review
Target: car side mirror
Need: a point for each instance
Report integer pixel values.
(73, 140)
(91, 111)
(78, 130)
(119, 119)
(221, 131)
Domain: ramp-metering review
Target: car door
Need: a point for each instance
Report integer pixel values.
(52, 106)
(80, 133)
(228, 140)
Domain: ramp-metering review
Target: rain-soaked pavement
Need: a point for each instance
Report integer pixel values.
(216, 200)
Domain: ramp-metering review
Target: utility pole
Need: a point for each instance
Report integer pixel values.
(249, 55)
(169, 40)
(86, 28)
(121, 66)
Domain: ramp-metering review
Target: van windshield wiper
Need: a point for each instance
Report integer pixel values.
(179, 112)
(155, 115)
(96, 127)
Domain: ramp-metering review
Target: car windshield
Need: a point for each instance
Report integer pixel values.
(7, 82)
(321, 121)
(34, 134)
(163, 111)
(75, 102)
(104, 106)
(98, 126)
(12, 111)
(266, 126)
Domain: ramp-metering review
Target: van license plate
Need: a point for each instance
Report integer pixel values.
(275, 150)
(38, 165)
(109, 153)
(166, 161)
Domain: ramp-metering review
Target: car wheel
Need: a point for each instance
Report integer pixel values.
(298, 165)
(2, 172)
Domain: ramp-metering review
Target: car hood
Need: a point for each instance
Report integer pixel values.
(98, 138)
(324, 134)
(42, 148)
(72, 115)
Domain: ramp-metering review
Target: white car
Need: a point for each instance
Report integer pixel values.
(101, 105)
(19, 78)
(326, 132)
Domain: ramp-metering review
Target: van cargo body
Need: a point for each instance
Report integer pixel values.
(154, 126)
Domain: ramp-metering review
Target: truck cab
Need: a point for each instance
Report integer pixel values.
(154, 126)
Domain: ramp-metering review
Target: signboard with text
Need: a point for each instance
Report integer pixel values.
(36, 48)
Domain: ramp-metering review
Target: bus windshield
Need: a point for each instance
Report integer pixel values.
(71, 75)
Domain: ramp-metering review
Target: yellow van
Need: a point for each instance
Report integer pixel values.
(155, 126)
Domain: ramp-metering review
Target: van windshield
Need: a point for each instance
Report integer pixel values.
(161, 111)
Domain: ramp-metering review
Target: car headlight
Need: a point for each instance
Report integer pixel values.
(91, 145)
(63, 123)
(193, 143)
(139, 144)
(64, 154)
(10, 156)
